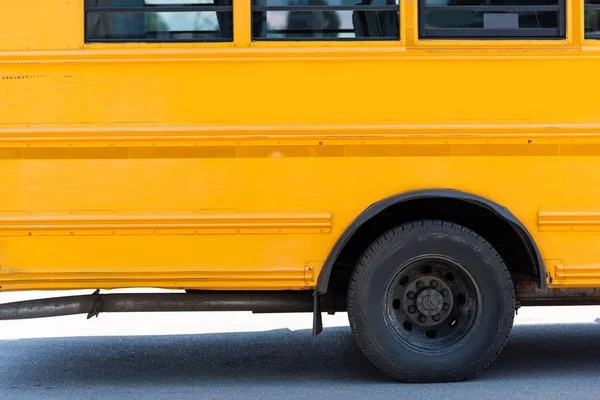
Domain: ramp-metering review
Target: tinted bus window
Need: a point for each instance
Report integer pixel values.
(159, 20)
(498, 19)
(592, 19)
(325, 20)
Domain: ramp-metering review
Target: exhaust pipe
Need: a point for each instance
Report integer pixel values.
(94, 304)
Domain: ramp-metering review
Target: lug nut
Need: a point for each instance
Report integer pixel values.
(436, 318)
(434, 284)
(446, 307)
(412, 309)
(419, 284)
(422, 318)
(445, 292)
(410, 295)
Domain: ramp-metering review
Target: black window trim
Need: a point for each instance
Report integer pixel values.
(494, 34)
(201, 7)
(374, 8)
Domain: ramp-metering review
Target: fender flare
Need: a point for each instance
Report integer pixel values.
(374, 209)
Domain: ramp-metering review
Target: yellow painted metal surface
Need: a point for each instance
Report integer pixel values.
(238, 165)
(576, 275)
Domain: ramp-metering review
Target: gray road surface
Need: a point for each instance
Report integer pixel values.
(549, 361)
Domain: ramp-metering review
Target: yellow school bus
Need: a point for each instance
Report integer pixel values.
(428, 166)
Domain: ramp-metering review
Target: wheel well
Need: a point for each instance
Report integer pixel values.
(481, 219)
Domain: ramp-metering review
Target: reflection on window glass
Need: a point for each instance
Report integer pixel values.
(159, 20)
(492, 18)
(592, 19)
(325, 19)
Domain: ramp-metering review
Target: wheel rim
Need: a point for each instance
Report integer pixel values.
(432, 304)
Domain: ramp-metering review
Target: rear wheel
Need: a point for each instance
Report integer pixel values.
(431, 301)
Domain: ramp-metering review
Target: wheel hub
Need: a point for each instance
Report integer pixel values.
(431, 304)
(428, 301)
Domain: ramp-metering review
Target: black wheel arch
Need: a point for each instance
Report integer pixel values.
(375, 209)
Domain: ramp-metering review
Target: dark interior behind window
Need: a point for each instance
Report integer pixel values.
(495, 19)
(325, 20)
(158, 20)
(592, 19)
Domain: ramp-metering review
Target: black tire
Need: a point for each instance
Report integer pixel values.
(390, 268)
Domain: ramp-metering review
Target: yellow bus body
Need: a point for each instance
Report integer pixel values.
(237, 166)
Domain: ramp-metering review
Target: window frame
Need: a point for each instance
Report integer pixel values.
(501, 35)
(155, 8)
(387, 39)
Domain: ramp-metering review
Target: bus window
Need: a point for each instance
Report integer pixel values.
(326, 20)
(159, 20)
(499, 19)
(592, 19)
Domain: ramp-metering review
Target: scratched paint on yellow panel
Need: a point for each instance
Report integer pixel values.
(238, 165)
(174, 92)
